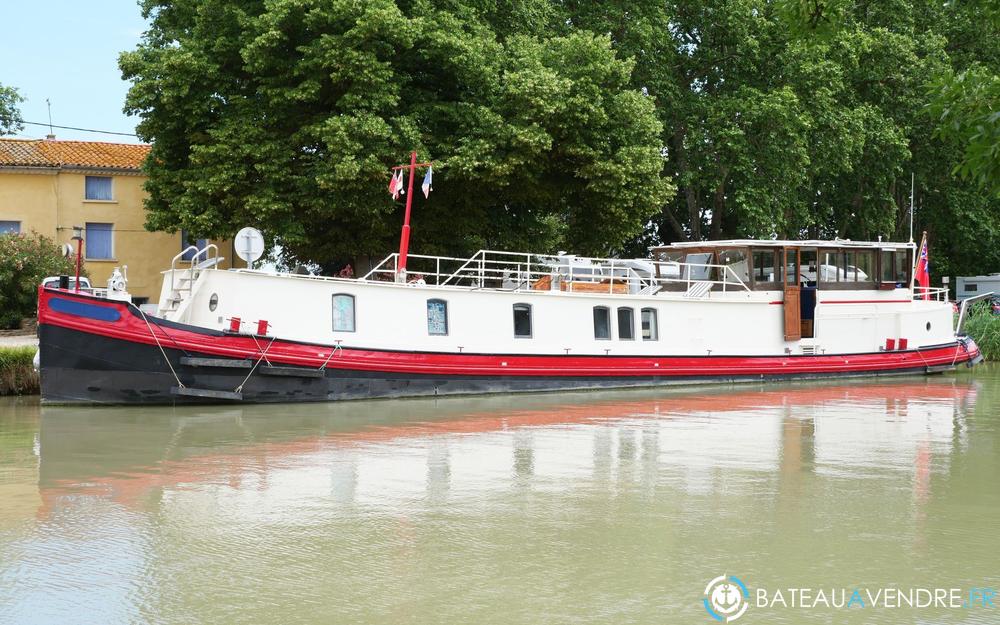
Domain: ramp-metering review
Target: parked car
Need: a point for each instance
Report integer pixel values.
(52, 282)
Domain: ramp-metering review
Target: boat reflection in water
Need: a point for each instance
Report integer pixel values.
(395, 453)
(609, 507)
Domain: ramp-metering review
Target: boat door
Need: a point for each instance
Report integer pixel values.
(793, 308)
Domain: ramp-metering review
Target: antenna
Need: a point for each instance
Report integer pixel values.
(913, 178)
(52, 133)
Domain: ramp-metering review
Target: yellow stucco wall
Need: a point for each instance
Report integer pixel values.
(52, 203)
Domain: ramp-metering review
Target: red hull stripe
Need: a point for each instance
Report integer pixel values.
(132, 328)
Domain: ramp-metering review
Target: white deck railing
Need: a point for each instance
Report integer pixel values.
(936, 293)
(514, 271)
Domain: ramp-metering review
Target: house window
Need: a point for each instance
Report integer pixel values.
(602, 323)
(187, 241)
(98, 188)
(343, 312)
(649, 329)
(626, 324)
(522, 321)
(10, 227)
(971, 287)
(437, 317)
(99, 242)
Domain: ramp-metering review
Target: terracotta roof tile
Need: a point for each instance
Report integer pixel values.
(56, 153)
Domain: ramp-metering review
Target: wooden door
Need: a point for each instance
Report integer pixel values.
(792, 306)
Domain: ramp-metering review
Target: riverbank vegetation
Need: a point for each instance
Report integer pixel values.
(17, 373)
(984, 328)
(26, 260)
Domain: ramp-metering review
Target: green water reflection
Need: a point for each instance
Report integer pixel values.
(572, 508)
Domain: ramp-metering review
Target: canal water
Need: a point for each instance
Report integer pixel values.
(544, 509)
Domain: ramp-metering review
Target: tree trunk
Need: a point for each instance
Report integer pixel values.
(694, 213)
(719, 205)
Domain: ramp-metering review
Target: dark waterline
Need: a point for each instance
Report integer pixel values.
(572, 508)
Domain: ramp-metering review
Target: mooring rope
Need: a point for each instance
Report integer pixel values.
(336, 348)
(263, 355)
(162, 351)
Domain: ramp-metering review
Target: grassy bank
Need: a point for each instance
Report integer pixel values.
(17, 375)
(984, 327)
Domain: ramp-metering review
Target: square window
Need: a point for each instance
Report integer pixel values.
(98, 242)
(10, 227)
(97, 188)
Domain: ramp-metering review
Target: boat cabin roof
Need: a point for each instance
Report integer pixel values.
(883, 245)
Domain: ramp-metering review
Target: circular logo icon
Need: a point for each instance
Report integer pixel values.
(726, 598)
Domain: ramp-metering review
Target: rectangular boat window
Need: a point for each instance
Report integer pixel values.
(829, 266)
(765, 269)
(736, 261)
(437, 317)
(343, 312)
(522, 321)
(863, 268)
(602, 323)
(807, 267)
(649, 330)
(888, 265)
(903, 265)
(698, 266)
(626, 324)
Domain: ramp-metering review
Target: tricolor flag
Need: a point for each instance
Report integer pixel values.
(922, 272)
(426, 186)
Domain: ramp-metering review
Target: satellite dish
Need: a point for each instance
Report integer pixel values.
(249, 244)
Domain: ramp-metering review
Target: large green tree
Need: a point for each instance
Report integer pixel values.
(797, 118)
(287, 115)
(10, 115)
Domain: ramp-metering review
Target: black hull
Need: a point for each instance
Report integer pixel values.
(84, 368)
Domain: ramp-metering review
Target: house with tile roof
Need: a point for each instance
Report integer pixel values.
(51, 186)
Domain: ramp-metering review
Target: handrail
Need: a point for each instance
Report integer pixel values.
(936, 293)
(517, 271)
(197, 253)
(964, 308)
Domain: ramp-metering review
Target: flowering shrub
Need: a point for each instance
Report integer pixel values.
(25, 260)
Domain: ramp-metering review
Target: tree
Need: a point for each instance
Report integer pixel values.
(967, 107)
(10, 116)
(26, 260)
(288, 114)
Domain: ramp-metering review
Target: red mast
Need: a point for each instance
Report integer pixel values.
(404, 236)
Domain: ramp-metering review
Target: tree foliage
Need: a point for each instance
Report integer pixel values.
(10, 115)
(570, 123)
(288, 114)
(26, 260)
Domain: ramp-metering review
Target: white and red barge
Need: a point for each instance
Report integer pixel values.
(724, 311)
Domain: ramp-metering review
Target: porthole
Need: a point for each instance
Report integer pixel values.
(928, 326)
(213, 302)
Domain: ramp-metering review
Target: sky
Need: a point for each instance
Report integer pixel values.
(67, 51)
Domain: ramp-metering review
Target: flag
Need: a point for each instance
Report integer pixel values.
(397, 186)
(392, 185)
(426, 186)
(922, 273)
